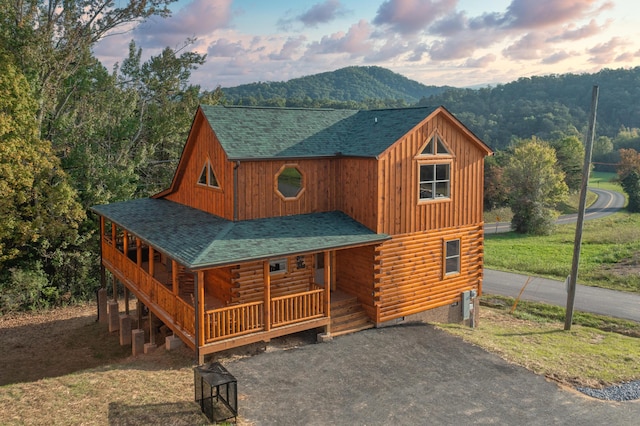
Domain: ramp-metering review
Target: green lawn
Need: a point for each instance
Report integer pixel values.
(610, 255)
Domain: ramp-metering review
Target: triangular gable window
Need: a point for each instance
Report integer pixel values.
(435, 146)
(208, 176)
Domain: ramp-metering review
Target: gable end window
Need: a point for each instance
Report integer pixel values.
(452, 257)
(435, 181)
(435, 146)
(208, 176)
(434, 169)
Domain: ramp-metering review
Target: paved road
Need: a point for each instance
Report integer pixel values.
(588, 299)
(608, 202)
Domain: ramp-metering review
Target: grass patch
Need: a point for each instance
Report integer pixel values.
(534, 338)
(610, 255)
(604, 180)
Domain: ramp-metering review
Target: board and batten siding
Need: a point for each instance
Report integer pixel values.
(400, 211)
(358, 189)
(203, 144)
(409, 271)
(257, 183)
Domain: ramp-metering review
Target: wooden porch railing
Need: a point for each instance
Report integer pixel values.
(296, 307)
(158, 293)
(233, 321)
(222, 323)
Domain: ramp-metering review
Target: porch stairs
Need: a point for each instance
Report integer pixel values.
(347, 315)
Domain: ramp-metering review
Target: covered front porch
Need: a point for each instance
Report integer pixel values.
(242, 287)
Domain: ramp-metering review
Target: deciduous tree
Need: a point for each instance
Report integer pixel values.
(38, 207)
(536, 185)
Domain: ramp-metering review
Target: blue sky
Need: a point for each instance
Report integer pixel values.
(459, 43)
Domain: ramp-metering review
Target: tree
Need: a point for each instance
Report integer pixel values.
(536, 185)
(631, 185)
(570, 155)
(629, 162)
(495, 193)
(40, 214)
(629, 175)
(52, 39)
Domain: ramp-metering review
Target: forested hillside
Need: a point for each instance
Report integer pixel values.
(546, 106)
(357, 84)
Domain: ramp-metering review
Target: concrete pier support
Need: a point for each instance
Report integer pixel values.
(172, 342)
(137, 342)
(114, 316)
(125, 330)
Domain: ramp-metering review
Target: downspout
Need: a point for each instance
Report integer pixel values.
(235, 190)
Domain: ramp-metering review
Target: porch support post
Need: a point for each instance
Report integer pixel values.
(152, 262)
(327, 283)
(152, 335)
(138, 252)
(125, 243)
(174, 277)
(101, 228)
(114, 285)
(200, 288)
(267, 295)
(113, 234)
(126, 300)
(198, 279)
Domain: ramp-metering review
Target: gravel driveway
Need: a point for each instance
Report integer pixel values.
(407, 375)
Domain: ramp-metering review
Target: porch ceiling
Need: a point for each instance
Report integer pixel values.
(200, 240)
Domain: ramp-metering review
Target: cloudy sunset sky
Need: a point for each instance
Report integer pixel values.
(458, 43)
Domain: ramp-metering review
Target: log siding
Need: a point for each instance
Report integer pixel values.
(409, 275)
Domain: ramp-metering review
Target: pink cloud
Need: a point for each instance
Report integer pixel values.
(290, 47)
(198, 18)
(482, 62)
(544, 13)
(591, 29)
(556, 57)
(412, 16)
(462, 45)
(391, 49)
(605, 53)
(223, 48)
(354, 42)
(322, 13)
(528, 47)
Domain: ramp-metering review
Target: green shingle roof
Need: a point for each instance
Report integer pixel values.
(261, 132)
(199, 240)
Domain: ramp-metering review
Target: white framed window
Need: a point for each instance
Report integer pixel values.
(434, 181)
(452, 257)
(434, 169)
(278, 266)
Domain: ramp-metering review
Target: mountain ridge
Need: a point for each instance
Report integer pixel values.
(354, 83)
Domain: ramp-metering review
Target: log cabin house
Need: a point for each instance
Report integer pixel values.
(280, 220)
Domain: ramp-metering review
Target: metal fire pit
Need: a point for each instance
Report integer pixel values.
(216, 390)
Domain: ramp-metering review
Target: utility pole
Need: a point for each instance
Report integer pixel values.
(571, 295)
